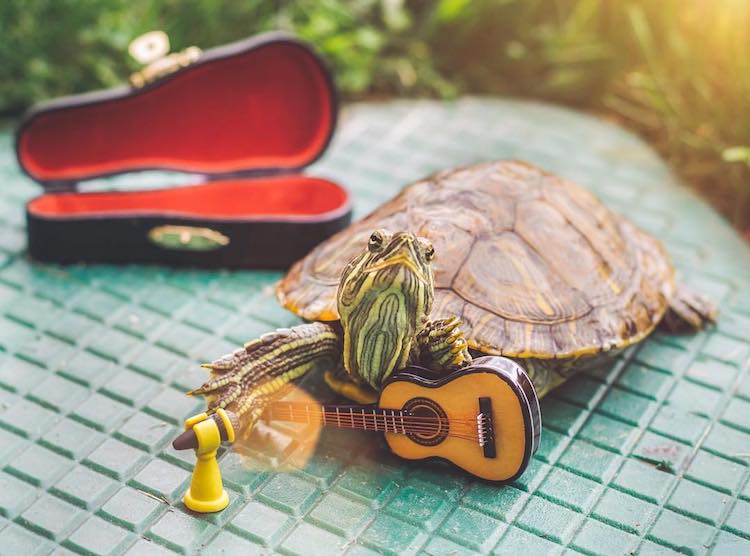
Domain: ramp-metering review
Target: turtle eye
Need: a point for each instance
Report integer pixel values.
(429, 252)
(376, 242)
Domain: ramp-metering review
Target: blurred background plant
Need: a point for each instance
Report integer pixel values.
(677, 71)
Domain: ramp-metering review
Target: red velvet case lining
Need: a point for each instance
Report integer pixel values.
(285, 197)
(267, 108)
(254, 105)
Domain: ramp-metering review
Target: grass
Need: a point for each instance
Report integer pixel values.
(689, 95)
(676, 71)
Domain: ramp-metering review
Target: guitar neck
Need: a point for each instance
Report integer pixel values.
(360, 417)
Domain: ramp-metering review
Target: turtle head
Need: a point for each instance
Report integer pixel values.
(384, 297)
(390, 253)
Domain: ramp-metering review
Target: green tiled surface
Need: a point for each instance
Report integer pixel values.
(649, 455)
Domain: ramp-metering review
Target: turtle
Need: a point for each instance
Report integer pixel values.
(499, 258)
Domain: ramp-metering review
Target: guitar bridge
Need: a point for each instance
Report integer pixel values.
(485, 428)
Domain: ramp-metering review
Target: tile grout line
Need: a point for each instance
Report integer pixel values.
(629, 357)
(92, 389)
(661, 505)
(569, 439)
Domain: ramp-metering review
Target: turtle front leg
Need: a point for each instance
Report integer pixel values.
(340, 382)
(244, 380)
(442, 346)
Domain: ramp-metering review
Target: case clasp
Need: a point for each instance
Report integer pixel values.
(187, 238)
(152, 50)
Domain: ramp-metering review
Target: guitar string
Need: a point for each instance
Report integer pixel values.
(368, 424)
(345, 411)
(412, 419)
(361, 422)
(403, 417)
(363, 418)
(398, 428)
(371, 425)
(451, 434)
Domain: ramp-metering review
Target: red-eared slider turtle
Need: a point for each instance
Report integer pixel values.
(526, 265)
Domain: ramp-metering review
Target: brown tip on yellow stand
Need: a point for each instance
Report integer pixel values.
(205, 433)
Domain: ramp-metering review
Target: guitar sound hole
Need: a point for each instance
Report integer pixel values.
(427, 423)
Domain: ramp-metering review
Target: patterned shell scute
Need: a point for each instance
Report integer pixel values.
(534, 265)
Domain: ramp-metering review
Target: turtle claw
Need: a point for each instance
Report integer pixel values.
(443, 345)
(210, 387)
(240, 380)
(228, 362)
(458, 345)
(441, 329)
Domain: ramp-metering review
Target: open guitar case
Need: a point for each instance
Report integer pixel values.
(248, 117)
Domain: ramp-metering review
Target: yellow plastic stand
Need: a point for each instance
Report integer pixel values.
(206, 493)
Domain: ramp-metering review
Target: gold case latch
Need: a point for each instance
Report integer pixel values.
(152, 51)
(187, 238)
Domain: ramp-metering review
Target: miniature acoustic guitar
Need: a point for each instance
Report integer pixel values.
(485, 419)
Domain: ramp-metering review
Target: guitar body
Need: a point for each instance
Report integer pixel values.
(485, 419)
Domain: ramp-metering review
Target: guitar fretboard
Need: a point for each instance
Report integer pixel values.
(367, 418)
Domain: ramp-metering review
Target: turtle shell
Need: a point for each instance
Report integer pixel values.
(535, 266)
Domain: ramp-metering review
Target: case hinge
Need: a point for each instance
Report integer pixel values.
(152, 51)
(60, 186)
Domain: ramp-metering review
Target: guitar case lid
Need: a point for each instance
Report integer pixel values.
(248, 118)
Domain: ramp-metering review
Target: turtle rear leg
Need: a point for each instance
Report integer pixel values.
(548, 374)
(688, 311)
(243, 381)
(442, 346)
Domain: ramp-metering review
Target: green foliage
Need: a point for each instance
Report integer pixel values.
(676, 70)
(54, 47)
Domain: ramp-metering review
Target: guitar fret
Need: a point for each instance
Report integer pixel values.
(372, 418)
(363, 418)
